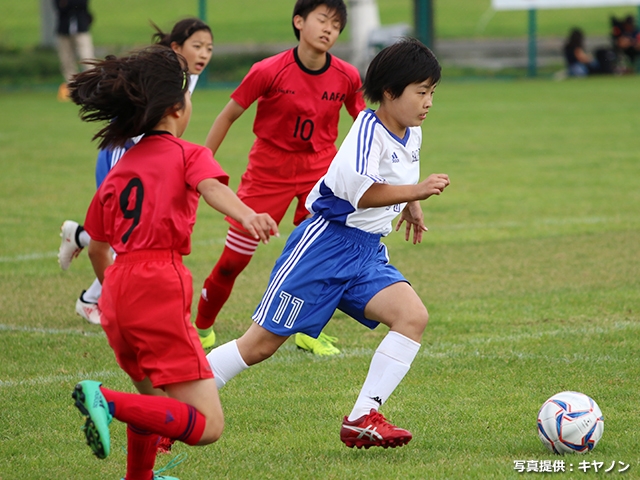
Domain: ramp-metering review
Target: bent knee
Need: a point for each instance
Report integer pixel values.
(420, 319)
(414, 323)
(212, 433)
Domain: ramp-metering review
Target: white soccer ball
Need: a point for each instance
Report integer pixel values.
(570, 422)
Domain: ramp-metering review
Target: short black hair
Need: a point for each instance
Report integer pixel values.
(398, 65)
(305, 7)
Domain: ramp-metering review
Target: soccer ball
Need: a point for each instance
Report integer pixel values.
(570, 422)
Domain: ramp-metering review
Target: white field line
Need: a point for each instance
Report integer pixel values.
(28, 257)
(439, 351)
(42, 255)
(51, 331)
(46, 380)
(462, 226)
(473, 347)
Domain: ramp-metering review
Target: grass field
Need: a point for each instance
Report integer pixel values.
(530, 272)
(125, 23)
(121, 25)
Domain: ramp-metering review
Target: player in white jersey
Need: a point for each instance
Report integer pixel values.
(369, 154)
(336, 259)
(191, 38)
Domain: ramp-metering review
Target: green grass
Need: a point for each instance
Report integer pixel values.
(125, 23)
(529, 271)
(121, 25)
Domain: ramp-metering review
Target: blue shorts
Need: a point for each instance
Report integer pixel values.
(324, 266)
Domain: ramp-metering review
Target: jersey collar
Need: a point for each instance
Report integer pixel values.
(306, 70)
(402, 141)
(157, 132)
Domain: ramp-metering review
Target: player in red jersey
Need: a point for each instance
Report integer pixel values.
(145, 210)
(300, 93)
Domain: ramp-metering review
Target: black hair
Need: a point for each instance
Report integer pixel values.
(575, 40)
(132, 93)
(398, 65)
(181, 31)
(305, 7)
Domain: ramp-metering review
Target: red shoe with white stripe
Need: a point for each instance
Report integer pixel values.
(373, 430)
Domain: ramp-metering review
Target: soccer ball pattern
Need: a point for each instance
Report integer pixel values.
(570, 422)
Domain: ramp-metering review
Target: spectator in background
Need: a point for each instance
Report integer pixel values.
(579, 62)
(626, 37)
(74, 39)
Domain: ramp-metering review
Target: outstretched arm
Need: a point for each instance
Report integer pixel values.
(224, 200)
(221, 125)
(383, 195)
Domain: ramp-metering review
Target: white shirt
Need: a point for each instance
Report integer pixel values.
(369, 154)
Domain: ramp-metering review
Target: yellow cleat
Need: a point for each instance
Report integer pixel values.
(323, 345)
(207, 337)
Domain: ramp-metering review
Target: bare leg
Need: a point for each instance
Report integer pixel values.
(258, 344)
(399, 307)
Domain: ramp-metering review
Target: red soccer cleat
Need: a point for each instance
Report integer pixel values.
(373, 430)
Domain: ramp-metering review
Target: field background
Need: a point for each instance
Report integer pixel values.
(125, 23)
(530, 272)
(263, 28)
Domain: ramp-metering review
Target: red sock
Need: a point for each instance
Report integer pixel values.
(219, 283)
(141, 453)
(162, 415)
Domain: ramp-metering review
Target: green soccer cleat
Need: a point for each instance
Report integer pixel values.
(323, 345)
(92, 404)
(207, 338)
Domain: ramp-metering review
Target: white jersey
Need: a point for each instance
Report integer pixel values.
(369, 154)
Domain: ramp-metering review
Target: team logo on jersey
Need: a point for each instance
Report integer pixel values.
(394, 158)
(334, 96)
(415, 156)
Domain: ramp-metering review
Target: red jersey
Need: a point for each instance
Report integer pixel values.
(299, 109)
(149, 199)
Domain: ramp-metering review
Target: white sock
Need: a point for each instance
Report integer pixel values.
(226, 362)
(389, 365)
(84, 239)
(93, 292)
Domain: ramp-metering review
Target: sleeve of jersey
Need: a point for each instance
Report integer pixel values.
(94, 221)
(355, 101)
(352, 178)
(201, 165)
(252, 87)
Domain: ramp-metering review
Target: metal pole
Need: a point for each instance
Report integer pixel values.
(202, 10)
(423, 11)
(532, 43)
(364, 19)
(202, 15)
(48, 19)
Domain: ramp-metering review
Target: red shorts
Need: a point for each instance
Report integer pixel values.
(146, 314)
(275, 177)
